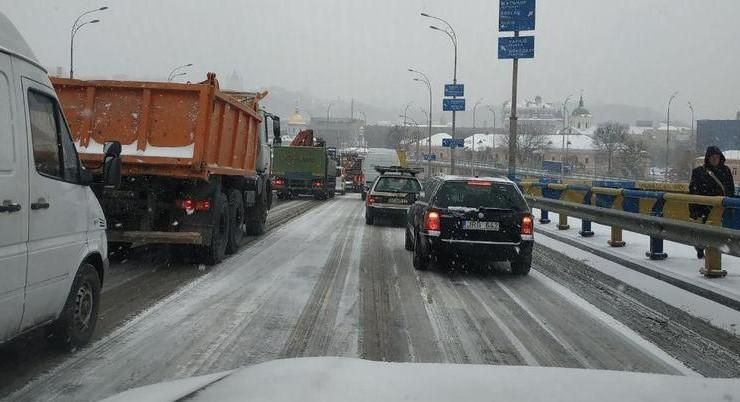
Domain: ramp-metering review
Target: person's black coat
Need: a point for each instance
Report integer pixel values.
(702, 182)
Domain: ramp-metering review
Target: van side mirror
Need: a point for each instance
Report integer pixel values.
(112, 164)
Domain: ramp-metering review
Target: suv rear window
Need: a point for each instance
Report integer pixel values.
(398, 185)
(472, 194)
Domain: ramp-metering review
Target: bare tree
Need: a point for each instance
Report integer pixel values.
(530, 141)
(632, 157)
(610, 137)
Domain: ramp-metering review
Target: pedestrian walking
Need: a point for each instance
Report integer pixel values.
(711, 179)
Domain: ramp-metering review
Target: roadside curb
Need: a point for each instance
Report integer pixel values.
(679, 283)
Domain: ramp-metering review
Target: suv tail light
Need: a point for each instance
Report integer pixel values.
(371, 200)
(432, 222)
(527, 227)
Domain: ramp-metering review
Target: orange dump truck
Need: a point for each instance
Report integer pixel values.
(195, 160)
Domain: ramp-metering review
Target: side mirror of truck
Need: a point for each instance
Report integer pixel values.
(276, 130)
(112, 164)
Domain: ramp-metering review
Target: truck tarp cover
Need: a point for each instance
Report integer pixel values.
(299, 161)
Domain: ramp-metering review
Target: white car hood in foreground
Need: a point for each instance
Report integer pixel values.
(350, 380)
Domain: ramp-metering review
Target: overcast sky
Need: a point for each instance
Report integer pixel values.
(634, 52)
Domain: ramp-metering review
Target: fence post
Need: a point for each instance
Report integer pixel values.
(544, 217)
(713, 264)
(563, 221)
(616, 240)
(586, 229)
(656, 249)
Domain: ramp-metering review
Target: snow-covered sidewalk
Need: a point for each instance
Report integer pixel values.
(675, 280)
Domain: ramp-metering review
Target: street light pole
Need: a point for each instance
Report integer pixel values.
(75, 28)
(563, 154)
(693, 135)
(453, 37)
(405, 120)
(328, 108)
(171, 76)
(493, 135)
(428, 83)
(667, 135)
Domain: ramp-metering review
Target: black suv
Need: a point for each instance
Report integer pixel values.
(392, 193)
(482, 219)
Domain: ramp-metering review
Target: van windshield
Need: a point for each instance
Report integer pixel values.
(482, 194)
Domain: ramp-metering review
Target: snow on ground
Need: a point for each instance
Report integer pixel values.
(681, 263)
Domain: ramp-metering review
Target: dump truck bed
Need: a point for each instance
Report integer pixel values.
(166, 129)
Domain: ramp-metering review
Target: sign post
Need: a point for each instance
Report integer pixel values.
(515, 16)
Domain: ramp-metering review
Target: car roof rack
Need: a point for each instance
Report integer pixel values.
(397, 169)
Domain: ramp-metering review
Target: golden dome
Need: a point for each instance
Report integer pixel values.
(296, 119)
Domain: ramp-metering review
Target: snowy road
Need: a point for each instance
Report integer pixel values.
(325, 284)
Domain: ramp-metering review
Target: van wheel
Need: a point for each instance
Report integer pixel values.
(216, 251)
(76, 324)
(236, 222)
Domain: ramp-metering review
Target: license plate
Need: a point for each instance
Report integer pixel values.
(477, 225)
(397, 200)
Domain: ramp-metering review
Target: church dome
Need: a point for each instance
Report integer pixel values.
(296, 119)
(581, 109)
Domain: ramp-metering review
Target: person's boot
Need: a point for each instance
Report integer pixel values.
(700, 253)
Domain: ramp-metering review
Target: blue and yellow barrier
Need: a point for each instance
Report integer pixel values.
(662, 200)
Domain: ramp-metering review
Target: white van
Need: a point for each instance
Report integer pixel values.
(53, 250)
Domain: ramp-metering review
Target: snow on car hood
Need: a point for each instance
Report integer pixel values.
(329, 379)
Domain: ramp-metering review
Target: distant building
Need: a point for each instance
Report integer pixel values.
(723, 133)
(536, 115)
(581, 119)
(337, 132)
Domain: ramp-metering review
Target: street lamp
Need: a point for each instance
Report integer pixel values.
(478, 102)
(328, 108)
(76, 27)
(428, 83)
(667, 135)
(174, 71)
(493, 136)
(564, 151)
(450, 32)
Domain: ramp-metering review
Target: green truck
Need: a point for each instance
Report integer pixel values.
(301, 170)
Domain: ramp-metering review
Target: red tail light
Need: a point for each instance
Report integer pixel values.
(371, 200)
(432, 222)
(194, 205)
(317, 184)
(527, 225)
(278, 182)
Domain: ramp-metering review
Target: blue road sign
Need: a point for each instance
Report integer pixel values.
(431, 157)
(517, 47)
(453, 105)
(516, 15)
(450, 143)
(455, 90)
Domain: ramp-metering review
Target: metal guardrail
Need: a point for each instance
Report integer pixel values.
(725, 240)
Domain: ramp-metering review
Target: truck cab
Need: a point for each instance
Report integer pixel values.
(53, 250)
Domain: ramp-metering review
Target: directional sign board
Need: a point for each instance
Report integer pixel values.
(455, 90)
(450, 143)
(453, 105)
(517, 47)
(431, 157)
(516, 15)
(332, 151)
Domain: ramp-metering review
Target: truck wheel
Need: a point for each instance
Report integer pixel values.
(258, 227)
(216, 251)
(76, 324)
(236, 222)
